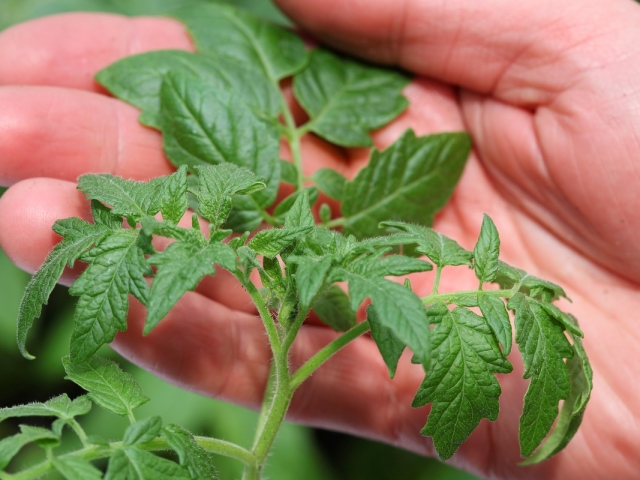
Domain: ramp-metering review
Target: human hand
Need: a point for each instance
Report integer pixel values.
(238, 352)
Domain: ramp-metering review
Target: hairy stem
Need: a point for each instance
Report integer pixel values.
(327, 352)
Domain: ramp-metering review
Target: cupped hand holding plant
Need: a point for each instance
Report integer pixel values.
(548, 96)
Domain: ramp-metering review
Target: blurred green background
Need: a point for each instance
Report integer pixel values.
(299, 452)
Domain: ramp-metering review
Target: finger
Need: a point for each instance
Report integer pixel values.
(68, 50)
(522, 52)
(60, 133)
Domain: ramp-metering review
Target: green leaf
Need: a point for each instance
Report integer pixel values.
(311, 276)
(78, 236)
(289, 172)
(180, 268)
(461, 385)
(573, 408)
(60, 406)
(543, 345)
(199, 462)
(127, 198)
(347, 99)
(76, 468)
(142, 431)
(330, 182)
(206, 126)
(245, 215)
(440, 249)
(563, 318)
(409, 181)
(218, 184)
(134, 464)
(495, 313)
(287, 203)
(10, 446)
(507, 277)
(300, 213)
(172, 199)
(102, 216)
(324, 213)
(116, 268)
(397, 309)
(245, 39)
(392, 265)
(333, 307)
(107, 385)
(389, 345)
(272, 241)
(137, 79)
(486, 251)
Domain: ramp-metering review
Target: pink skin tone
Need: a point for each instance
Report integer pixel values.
(549, 92)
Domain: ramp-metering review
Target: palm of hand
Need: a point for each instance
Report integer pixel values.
(525, 176)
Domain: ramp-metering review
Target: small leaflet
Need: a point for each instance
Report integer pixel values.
(347, 99)
(440, 249)
(137, 80)
(410, 181)
(311, 275)
(392, 265)
(106, 384)
(272, 241)
(180, 268)
(333, 307)
(116, 268)
(135, 464)
(128, 198)
(76, 468)
(78, 236)
(397, 309)
(486, 251)
(573, 408)
(61, 406)
(202, 125)
(496, 315)
(142, 431)
(543, 345)
(286, 204)
(172, 197)
(461, 386)
(217, 184)
(244, 38)
(390, 346)
(299, 215)
(330, 182)
(199, 462)
(10, 446)
(289, 172)
(537, 288)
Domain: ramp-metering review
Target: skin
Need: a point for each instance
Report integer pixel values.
(549, 92)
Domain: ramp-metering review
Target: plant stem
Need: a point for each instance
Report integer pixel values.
(336, 222)
(326, 353)
(436, 281)
(273, 417)
(265, 315)
(73, 423)
(465, 296)
(293, 136)
(94, 452)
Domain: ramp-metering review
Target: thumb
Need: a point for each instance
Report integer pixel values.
(521, 52)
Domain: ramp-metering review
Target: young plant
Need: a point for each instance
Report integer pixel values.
(222, 117)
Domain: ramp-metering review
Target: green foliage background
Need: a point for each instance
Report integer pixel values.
(299, 452)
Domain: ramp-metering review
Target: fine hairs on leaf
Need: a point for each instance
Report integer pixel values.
(321, 244)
